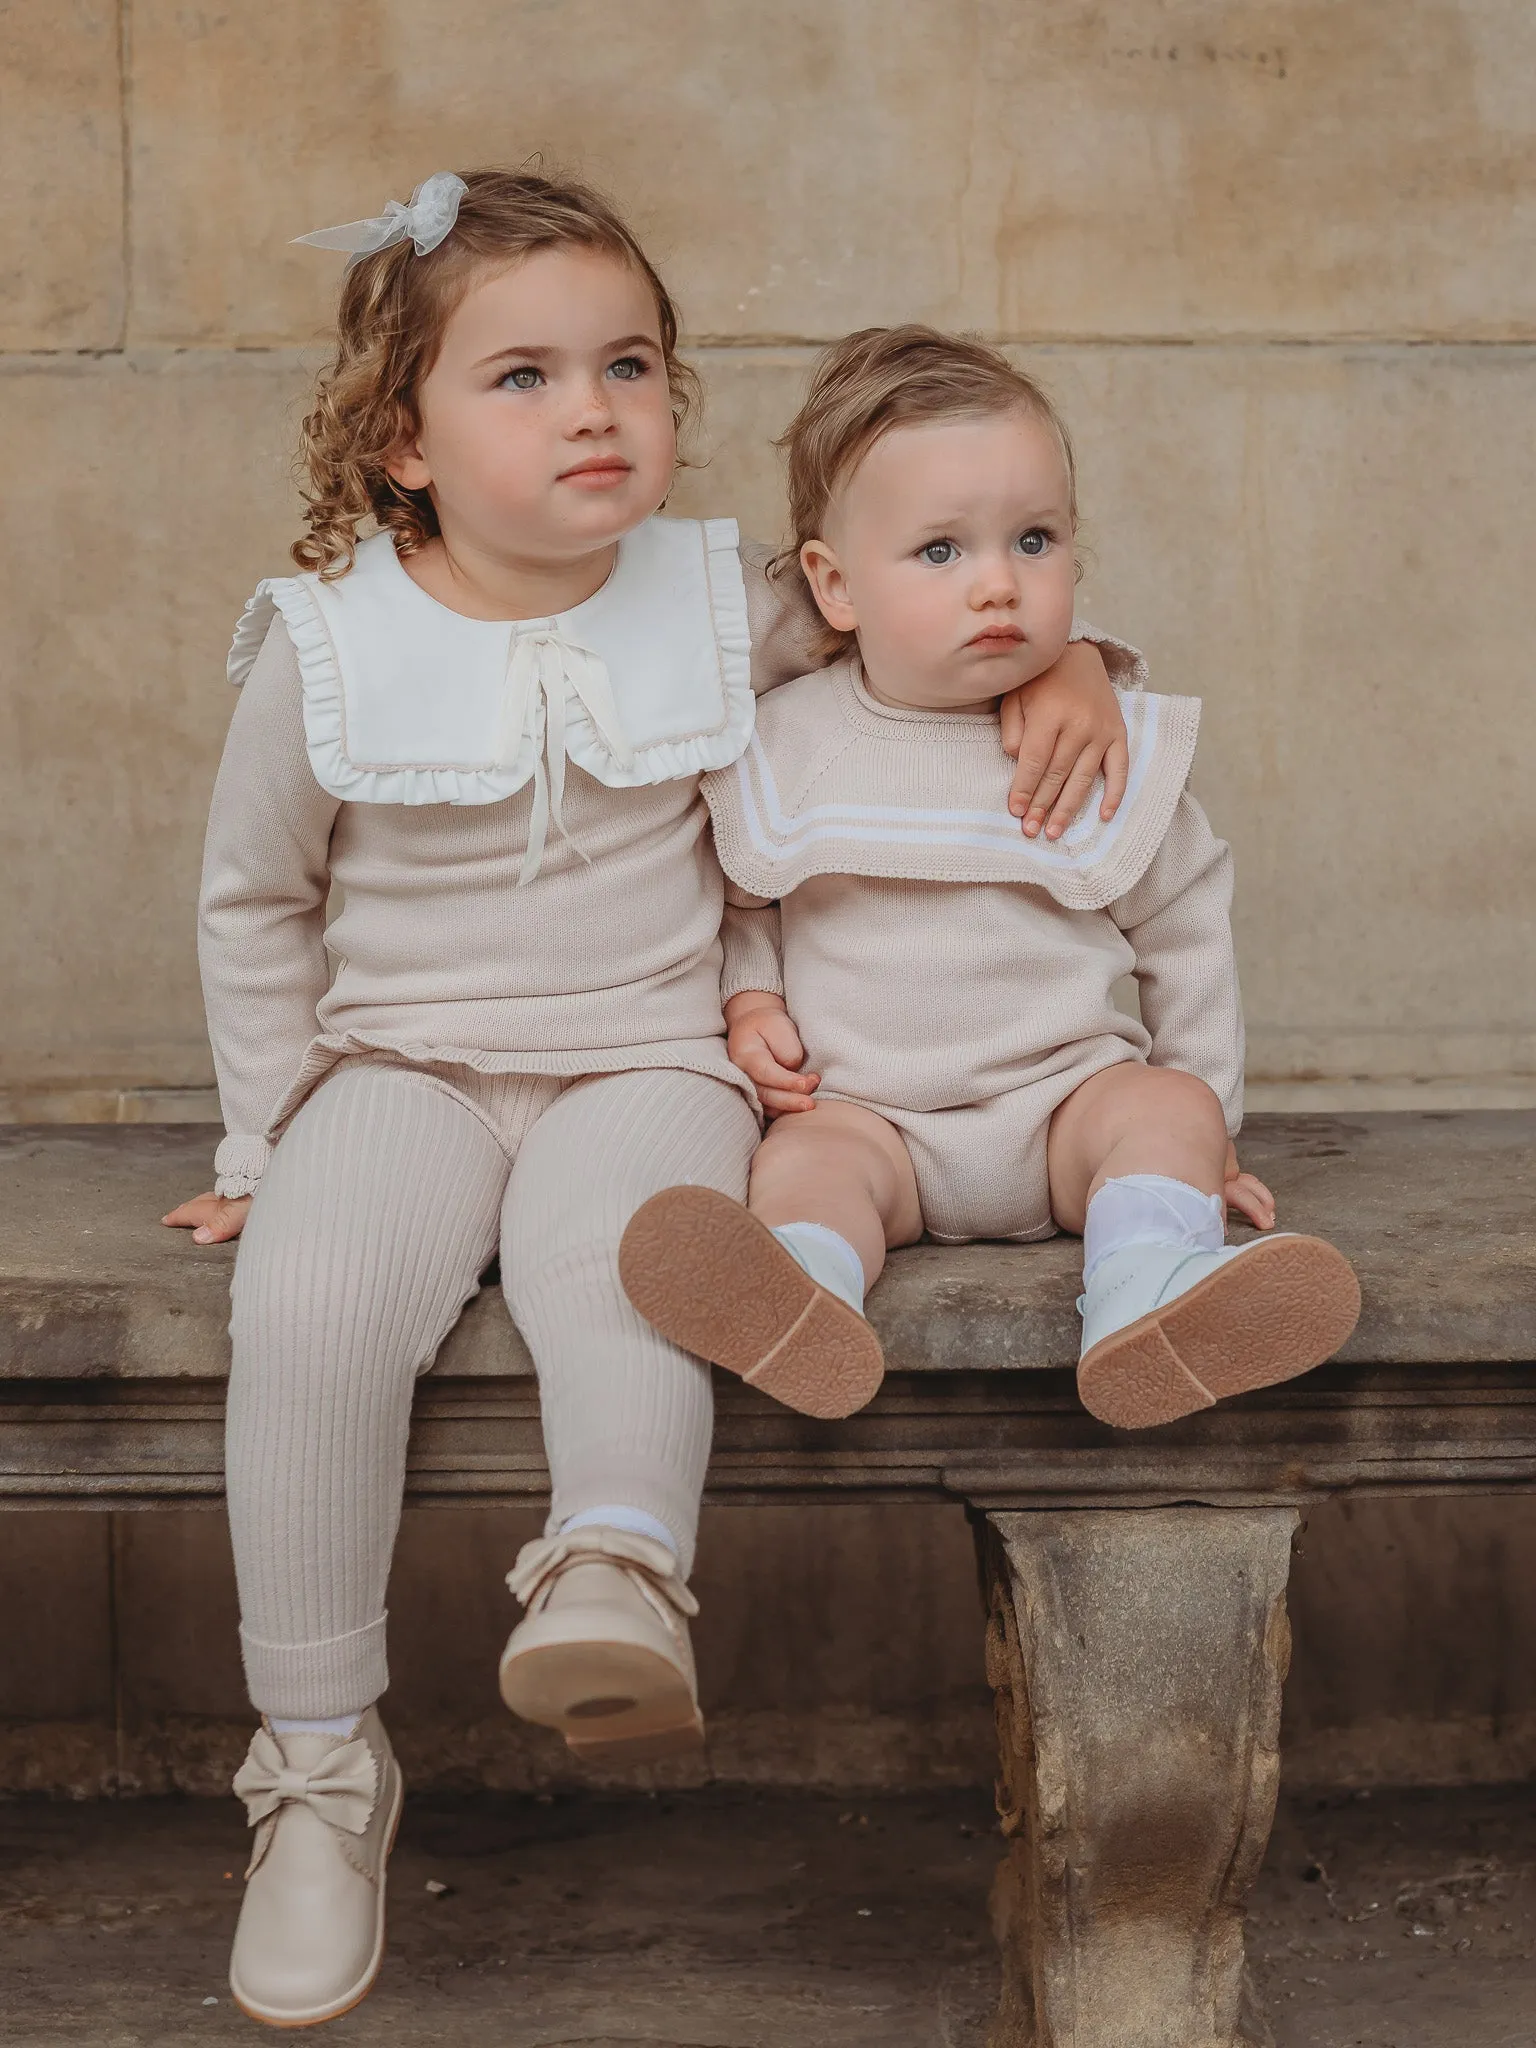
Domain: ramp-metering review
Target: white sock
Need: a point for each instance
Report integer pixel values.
(830, 1260)
(635, 1521)
(1148, 1208)
(339, 1724)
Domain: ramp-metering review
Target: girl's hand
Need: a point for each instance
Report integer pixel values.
(763, 1042)
(1065, 728)
(1248, 1195)
(212, 1219)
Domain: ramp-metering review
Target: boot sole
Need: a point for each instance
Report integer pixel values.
(356, 1996)
(1280, 1310)
(615, 1703)
(702, 1269)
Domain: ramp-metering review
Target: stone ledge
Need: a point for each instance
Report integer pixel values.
(1435, 1210)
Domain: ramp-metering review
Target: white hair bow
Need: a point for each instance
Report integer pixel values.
(427, 221)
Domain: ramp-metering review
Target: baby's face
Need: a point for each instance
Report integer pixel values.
(949, 553)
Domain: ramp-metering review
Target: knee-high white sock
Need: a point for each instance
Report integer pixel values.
(829, 1259)
(1150, 1209)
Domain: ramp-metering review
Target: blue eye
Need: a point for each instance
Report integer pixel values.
(524, 378)
(1035, 542)
(627, 369)
(941, 553)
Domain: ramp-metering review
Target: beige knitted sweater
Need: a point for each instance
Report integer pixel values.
(610, 960)
(931, 956)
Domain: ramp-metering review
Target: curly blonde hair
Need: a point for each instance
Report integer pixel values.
(881, 378)
(395, 307)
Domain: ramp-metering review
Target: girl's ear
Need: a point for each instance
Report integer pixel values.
(407, 466)
(829, 586)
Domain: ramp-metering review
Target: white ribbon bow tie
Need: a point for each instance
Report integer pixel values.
(340, 1788)
(427, 221)
(546, 667)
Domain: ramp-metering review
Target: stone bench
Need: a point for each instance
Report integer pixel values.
(1136, 1633)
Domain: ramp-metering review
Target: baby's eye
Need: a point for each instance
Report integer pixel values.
(524, 378)
(941, 553)
(628, 368)
(1034, 542)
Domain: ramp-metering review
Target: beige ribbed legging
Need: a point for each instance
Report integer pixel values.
(383, 1204)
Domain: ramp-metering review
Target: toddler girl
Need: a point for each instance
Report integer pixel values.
(478, 735)
(951, 982)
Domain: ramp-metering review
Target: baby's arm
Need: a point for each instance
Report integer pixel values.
(761, 1037)
(1064, 728)
(261, 925)
(1178, 919)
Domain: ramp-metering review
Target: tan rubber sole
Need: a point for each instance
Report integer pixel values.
(1280, 1310)
(354, 1998)
(615, 1703)
(701, 1269)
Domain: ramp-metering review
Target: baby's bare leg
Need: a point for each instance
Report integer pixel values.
(774, 1292)
(842, 1167)
(1134, 1119)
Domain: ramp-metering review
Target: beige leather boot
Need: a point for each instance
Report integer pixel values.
(311, 1934)
(604, 1654)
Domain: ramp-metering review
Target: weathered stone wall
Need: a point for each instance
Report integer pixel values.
(1277, 258)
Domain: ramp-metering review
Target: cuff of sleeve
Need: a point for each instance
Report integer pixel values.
(751, 954)
(764, 978)
(238, 1166)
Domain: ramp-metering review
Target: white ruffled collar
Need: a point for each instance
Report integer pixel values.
(406, 702)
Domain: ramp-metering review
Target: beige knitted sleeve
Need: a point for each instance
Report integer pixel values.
(1178, 919)
(261, 914)
(789, 635)
(749, 933)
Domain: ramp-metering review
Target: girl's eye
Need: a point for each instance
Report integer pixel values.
(627, 369)
(525, 378)
(1035, 542)
(941, 553)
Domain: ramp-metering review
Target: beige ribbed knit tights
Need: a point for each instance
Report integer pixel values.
(382, 1205)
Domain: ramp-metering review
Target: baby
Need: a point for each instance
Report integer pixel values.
(945, 1010)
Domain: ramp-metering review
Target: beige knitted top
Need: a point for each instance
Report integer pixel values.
(931, 956)
(610, 959)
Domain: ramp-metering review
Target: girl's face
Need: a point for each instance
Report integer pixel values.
(546, 423)
(949, 552)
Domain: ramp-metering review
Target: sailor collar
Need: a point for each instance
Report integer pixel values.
(834, 783)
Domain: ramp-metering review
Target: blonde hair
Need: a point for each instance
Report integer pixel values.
(881, 378)
(395, 307)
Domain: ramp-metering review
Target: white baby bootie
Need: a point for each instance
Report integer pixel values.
(311, 1933)
(1167, 1330)
(603, 1653)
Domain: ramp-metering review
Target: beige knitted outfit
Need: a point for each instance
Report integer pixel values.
(952, 975)
(509, 1033)
(493, 1064)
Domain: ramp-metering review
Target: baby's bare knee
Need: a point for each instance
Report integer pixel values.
(836, 1146)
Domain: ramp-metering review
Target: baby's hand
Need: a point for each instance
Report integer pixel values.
(1247, 1194)
(764, 1043)
(1064, 728)
(212, 1219)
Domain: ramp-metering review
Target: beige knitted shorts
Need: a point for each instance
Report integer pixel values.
(981, 1169)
